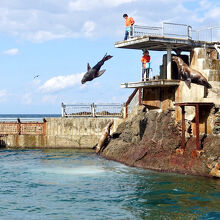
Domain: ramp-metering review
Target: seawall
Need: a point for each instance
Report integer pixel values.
(61, 133)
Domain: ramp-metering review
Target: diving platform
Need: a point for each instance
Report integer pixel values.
(170, 36)
(160, 43)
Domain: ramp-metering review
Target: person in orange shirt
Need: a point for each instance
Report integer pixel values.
(129, 21)
(145, 60)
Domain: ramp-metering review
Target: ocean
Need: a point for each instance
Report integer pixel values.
(12, 117)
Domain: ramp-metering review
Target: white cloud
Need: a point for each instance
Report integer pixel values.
(214, 13)
(12, 52)
(3, 95)
(84, 5)
(88, 28)
(42, 20)
(205, 4)
(41, 36)
(61, 82)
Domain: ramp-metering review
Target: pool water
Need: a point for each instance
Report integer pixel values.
(78, 184)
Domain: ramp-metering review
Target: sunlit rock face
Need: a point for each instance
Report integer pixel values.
(150, 139)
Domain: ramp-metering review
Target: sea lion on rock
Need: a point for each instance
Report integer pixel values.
(190, 75)
(94, 71)
(105, 135)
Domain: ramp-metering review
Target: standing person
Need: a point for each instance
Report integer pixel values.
(145, 60)
(129, 21)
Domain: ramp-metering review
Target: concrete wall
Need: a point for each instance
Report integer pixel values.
(63, 133)
(159, 97)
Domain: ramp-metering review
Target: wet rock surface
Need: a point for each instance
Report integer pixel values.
(149, 139)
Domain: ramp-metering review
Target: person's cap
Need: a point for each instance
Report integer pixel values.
(125, 15)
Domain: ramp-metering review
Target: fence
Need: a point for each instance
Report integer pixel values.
(138, 30)
(22, 128)
(167, 29)
(93, 110)
(177, 30)
(183, 31)
(211, 34)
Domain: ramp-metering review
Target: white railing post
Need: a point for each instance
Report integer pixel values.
(168, 62)
(93, 110)
(63, 110)
(163, 29)
(188, 32)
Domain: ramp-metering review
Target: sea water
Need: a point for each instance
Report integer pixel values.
(78, 184)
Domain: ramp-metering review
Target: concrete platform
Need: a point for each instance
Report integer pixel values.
(151, 83)
(160, 43)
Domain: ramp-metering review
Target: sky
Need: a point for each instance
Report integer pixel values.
(55, 39)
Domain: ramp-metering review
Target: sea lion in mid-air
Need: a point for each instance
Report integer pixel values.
(105, 135)
(190, 75)
(94, 71)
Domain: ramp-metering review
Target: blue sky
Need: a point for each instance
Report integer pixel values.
(56, 38)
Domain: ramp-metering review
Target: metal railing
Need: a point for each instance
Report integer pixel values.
(177, 30)
(183, 31)
(93, 110)
(138, 30)
(132, 102)
(21, 119)
(210, 34)
(22, 128)
(167, 29)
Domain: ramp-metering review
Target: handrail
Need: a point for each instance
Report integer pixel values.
(208, 33)
(130, 98)
(167, 29)
(183, 31)
(93, 110)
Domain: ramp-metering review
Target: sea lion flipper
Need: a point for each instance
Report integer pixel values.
(100, 73)
(188, 83)
(88, 67)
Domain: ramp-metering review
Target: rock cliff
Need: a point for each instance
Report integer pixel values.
(149, 139)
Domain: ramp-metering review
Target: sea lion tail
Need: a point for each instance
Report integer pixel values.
(106, 57)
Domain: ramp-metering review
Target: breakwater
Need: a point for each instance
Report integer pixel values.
(55, 133)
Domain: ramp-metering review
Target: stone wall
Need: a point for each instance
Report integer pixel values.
(63, 133)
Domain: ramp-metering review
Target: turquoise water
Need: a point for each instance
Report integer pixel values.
(73, 184)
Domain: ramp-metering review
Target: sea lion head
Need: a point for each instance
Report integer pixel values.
(85, 78)
(177, 59)
(83, 81)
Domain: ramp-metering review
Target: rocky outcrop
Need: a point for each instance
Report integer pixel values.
(149, 139)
